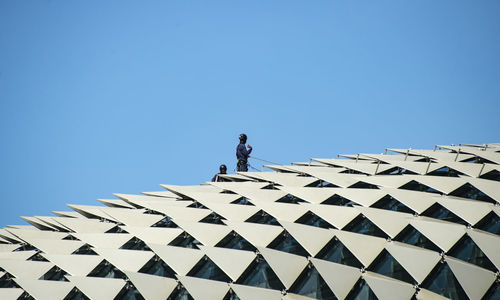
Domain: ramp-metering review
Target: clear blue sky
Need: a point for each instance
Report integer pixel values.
(102, 97)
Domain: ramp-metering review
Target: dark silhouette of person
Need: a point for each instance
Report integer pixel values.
(242, 154)
(222, 170)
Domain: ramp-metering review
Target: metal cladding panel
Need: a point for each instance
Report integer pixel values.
(385, 225)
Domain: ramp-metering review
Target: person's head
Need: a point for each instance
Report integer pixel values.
(223, 169)
(243, 138)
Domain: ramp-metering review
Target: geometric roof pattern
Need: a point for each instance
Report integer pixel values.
(406, 224)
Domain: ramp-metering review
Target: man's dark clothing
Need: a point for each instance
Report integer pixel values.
(219, 178)
(242, 155)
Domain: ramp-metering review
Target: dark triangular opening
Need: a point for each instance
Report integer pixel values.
(69, 237)
(197, 204)
(59, 228)
(493, 292)
(352, 171)
(286, 243)
(339, 201)
(85, 249)
(311, 284)
(156, 266)
(242, 201)
(41, 226)
(446, 172)
(227, 192)
(441, 280)
(437, 211)
(491, 175)
(207, 269)
(153, 212)
(477, 160)
(260, 274)
(26, 296)
(465, 249)
(129, 291)
(231, 295)
(26, 247)
(106, 269)
(423, 159)
(116, 229)
(135, 244)
(410, 235)
(235, 241)
(417, 186)
(490, 223)
(337, 252)
(185, 240)
(180, 293)
(76, 294)
(387, 265)
(471, 192)
(10, 240)
(311, 219)
(363, 185)
(37, 257)
(363, 225)
(397, 171)
(54, 274)
(165, 222)
(361, 291)
(321, 184)
(213, 218)
(390, 203)
(271, 187)
(6, 281)
(289, 198)
(261, 217)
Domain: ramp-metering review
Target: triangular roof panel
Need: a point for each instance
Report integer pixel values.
(313, 239)
(103, 240)
(155, 235)
(443, 234)
(364, 247)
(339, 278)
(245, 292)
(125, 260)
(207, 234)
(257, 234)
(180, 259)
(97, 288)
(26, 268)
(474, 280)
(286, 266)
(10, 293)
(204, 289)
(45, 289)
(338, 216)
(388, 288)
(390, 222)
(488, 243)
(418, 262)
(76, 265)
(152, 287)
(232, 262)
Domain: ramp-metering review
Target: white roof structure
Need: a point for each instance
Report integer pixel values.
(408, 224)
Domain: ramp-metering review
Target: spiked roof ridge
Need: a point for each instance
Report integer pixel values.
(389, 225)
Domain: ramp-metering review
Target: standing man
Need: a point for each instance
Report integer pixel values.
(242, 154)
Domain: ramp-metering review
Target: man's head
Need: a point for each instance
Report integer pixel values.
(223, 169)
(243, 138)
